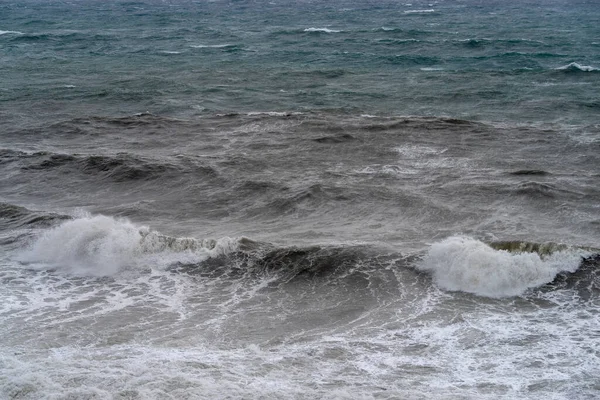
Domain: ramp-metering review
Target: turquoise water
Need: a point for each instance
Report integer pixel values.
(533, 61)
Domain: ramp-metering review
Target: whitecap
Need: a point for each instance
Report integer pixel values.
(469, 265)
(11, 32)
(325, 30)
(273, 113)
(102, 246)
(419, 11)
(576, 67)
(211, 46)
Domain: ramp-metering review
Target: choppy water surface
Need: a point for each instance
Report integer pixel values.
(299, 200)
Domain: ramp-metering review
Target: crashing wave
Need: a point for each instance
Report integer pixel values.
(102, 246)
(500, 269)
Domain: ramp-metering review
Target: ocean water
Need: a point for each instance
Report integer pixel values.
(299, 199)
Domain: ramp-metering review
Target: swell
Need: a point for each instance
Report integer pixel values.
(585, 280)
(64, 37)
(144, 124)
(121, 167)
(576, 68)
(101, 246)
(356, 265)
(13, 217)
(286, 264)
(147, 125)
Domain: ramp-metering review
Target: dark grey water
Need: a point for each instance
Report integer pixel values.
(299, 200)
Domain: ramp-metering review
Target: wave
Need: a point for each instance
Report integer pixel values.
(13, 216)
(427, 11)
(264, 261)
(498, 270)
(411, 59)
(341, 138)
(483, 42)
(214, 46)
(103, 246)
(11, 33)
(538, 190)
(321, 30)
(283, 200)
(100, 246)
(268, 113)
(536, 172)
(64, 35)
(122, 167)
(575, 68)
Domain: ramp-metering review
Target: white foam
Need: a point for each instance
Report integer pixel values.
(577, 66)
(417, 151)
(11, 32)
(272, 113)
(419, 11)
(101, 246)
(469, 265)
(211, 46)
(326, 30)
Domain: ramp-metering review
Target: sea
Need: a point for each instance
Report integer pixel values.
(299, 199)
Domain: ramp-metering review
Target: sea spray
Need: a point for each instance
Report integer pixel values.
(469, 265)
(101, 246)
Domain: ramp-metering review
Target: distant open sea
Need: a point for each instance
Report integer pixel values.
(300, 199)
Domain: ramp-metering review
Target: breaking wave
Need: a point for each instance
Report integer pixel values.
(498, 270)
(427, 11)
(11, 32)
(576, 67)
(103, 246)
(321, 30)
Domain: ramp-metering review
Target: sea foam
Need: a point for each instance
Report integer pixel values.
(577, 67)
(325, 30)
(102, 246)
(419, 11)
(469, 265)
(11, 32)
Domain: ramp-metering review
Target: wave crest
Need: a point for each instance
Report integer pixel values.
(576, 67)
(321, 30)
(103, 246)
(469, 265)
